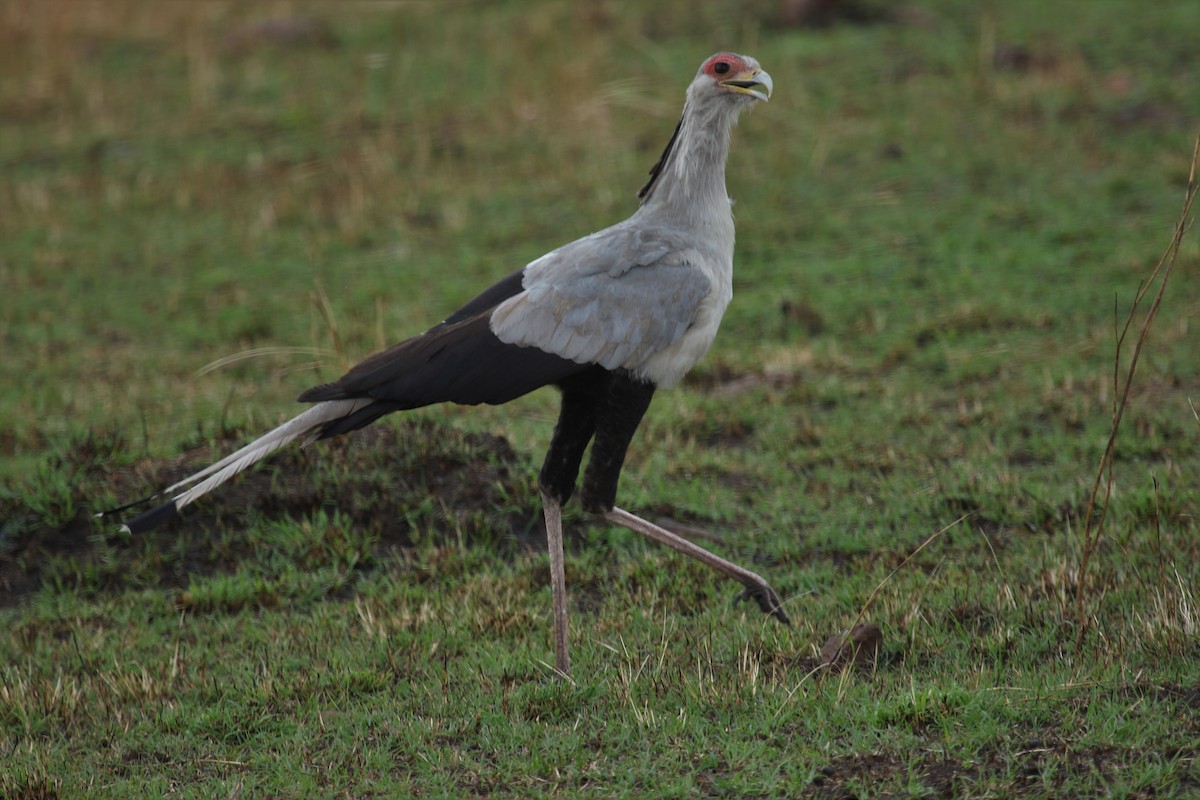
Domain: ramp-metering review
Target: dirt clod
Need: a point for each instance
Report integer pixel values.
(861, 646)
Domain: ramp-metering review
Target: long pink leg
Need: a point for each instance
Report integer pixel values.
(558, 582)
(756, 587)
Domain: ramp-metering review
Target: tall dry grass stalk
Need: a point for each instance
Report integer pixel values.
(1101, 494)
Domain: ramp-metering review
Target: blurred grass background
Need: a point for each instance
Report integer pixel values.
(194, 164)
(943, 214)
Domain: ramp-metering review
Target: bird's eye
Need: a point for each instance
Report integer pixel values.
(721, 67)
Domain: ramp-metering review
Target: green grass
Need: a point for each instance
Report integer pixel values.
(943, 216)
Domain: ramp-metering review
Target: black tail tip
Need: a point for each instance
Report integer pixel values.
(149, 520)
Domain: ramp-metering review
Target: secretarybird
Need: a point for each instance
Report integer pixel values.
(607, 319)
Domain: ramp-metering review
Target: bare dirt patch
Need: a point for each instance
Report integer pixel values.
(400, 482)
(1036, 768)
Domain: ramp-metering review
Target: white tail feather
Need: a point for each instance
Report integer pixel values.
(262, 447)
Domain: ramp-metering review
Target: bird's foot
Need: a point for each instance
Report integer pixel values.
(767, 600)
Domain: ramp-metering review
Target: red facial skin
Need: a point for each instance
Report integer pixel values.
(723, 66)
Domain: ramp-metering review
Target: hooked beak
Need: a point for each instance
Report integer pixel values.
(756, 83)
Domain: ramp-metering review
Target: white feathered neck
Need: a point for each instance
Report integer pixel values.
(688, 182)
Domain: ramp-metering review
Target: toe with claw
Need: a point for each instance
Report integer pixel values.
(767, 600)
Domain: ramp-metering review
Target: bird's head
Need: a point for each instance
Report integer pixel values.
(739, 75)
(726, 84)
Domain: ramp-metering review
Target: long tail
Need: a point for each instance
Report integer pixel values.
(311, 422)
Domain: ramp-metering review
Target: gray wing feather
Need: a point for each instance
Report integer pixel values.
(613, 298)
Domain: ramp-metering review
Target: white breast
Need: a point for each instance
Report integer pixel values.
(667, 366)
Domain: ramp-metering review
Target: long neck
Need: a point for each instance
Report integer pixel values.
(688, 182)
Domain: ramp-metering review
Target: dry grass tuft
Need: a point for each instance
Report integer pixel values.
(1092, 534)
